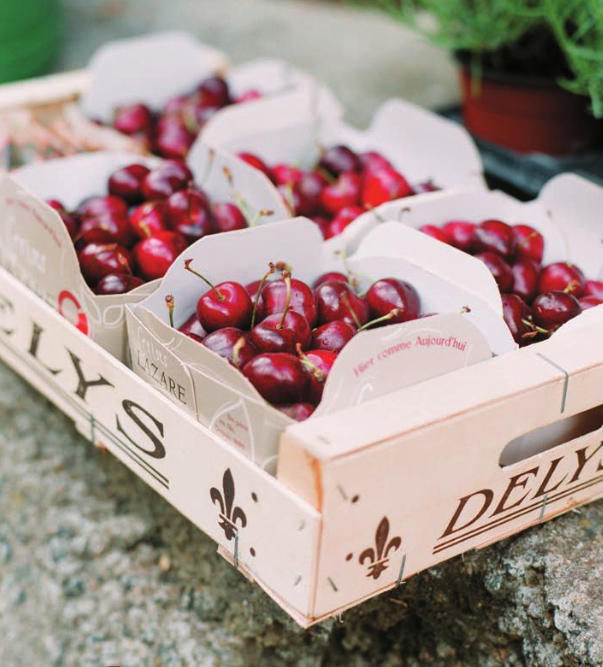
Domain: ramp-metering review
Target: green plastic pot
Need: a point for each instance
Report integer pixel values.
(29, 37)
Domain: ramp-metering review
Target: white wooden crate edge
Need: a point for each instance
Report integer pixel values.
(270, 533)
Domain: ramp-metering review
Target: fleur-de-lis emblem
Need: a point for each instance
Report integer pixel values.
(379, 556)
(229, 514)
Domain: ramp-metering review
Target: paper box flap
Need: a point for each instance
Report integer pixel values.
(148, 69)
(280, 129)
(419, 143)
(278, 77)
(225, 178)
(242, 256)
(464, 271)
(379, 361)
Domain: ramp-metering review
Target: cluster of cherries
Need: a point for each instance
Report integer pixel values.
(537, 299)
(340, 187)
(284, 335)
(149, 217)
(171, 131)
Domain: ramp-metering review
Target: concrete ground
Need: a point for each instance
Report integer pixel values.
(96, 569)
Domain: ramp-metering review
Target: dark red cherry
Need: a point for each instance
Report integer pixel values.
(330, 275)
(278, 377)
(525, 278)
(178, 169)
(155, 254)
(227, 217)
(333, 335)
(388, 294)
(99, 259)
(383, 185)
(105, 228)
(318, 364)
(518, 316)
(226, 305)
(117, 283)
(232, 344)
(193, 326)
(499, 269)
(336, 300)
(437, 233)
(95, 206)
(297, 411)
(587, 302)
(173, 138)
(286, 174)
(133, 119)
(177, 106)
(339, 160)
(372, 160)
(552, 309)
(460, 233)
(213, 92)
(494, 236)
(560, 277)
(342, 219)
(188, 214)
(149, 218)
(69, 220)
(162, 182)
(274, 296)
(282, 333)
(127, 182)
(309, 189)
(594, 288)
(323, 224)
(256, 162)
(344, 192)
(529, 242)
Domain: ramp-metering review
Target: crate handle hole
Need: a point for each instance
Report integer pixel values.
(549, 436)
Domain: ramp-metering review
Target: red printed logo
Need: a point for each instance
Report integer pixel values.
(70, 309)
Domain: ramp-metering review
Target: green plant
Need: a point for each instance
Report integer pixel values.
(560, 38)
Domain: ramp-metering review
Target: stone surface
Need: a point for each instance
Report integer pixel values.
(96, 569)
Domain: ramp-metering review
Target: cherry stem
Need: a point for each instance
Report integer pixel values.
(310, 365)
(288, 197)
(352, 275)
(571, 286)
(346, 301)
(534, 327)
(236, 348)
(327, 175)
(465, 309)
(169, 302)
(287, 279)
(394, 312)
(145, 228)
(271, 270)
(260, 214)
(187, 266)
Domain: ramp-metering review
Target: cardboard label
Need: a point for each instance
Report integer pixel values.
(392, 357)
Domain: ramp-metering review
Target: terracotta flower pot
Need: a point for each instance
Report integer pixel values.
(527, 115)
